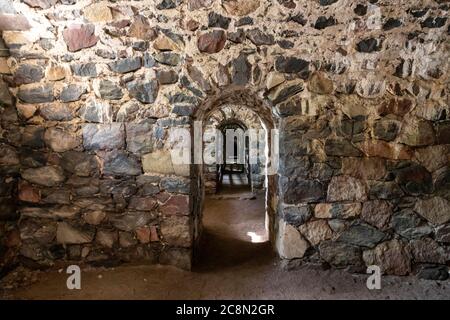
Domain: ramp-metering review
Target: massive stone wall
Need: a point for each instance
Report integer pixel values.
(358, 89)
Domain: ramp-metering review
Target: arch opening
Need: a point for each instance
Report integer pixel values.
(234, 204)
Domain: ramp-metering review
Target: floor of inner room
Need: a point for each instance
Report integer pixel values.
(234, 180)
(235, 261)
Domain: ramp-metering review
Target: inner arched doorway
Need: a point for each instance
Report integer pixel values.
(235, 165)
(233, 172)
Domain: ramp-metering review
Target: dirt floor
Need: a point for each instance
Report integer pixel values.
(230, 266)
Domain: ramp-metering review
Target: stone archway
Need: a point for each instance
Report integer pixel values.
(250, 125)
(260, 107)
(214, 134)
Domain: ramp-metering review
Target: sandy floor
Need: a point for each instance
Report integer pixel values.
(230, 266)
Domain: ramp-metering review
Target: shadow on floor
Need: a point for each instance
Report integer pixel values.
(217, 252)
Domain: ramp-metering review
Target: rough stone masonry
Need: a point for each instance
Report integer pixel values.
(359, 90)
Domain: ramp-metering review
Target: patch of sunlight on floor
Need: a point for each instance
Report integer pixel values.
(255, 238)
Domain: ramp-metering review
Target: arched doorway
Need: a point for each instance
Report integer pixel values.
(233, 171)
(235, 204)
(243, 126)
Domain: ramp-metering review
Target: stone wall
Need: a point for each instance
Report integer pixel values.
(9, 167)
(358, 89)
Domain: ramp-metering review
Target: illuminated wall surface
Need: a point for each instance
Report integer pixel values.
(90, 90)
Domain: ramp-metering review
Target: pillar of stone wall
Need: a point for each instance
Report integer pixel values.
(210, 173)
(9, 171)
